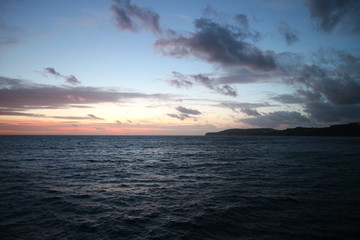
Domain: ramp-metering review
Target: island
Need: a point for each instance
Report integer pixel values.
(350, 129)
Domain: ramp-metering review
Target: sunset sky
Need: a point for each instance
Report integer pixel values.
(171, 67)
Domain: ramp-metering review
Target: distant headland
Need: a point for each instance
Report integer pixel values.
(350, 129)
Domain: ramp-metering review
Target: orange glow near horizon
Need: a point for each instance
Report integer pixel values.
(43, 127)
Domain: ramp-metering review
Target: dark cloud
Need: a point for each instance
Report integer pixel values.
(327, 112)
(290, 35)
(69, 79)
(219, 44)
(341, 14)
(278, 119)
(336, 86)
(132, 17)
(328, 91)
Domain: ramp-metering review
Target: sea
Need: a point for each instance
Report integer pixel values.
(179, 187)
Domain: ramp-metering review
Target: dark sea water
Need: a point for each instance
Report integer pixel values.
(141, 187)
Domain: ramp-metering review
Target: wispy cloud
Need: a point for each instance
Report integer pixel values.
(131, 17)
(52, 71)
(92, 116)
(9, 35)
(69, 79)
(239, 106)
(290, 35)
(250, 112)
(188, 110)
(185, 113)
(250, 109)
(181, 80)
(20, 94)
(211, 84)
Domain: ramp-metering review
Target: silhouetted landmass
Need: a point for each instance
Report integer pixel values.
(350, 129)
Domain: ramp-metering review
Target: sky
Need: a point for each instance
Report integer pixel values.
(171, 67)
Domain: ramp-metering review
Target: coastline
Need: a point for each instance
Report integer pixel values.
(350, 130)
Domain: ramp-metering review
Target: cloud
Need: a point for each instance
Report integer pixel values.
(227, 90)
(250, 112)
(69, 79)
(92, 116)
(7, 112)
(341, 14)
(188, 110)
(72, 80)
(9, 35)
(24, 95)
(239, 106)
(336, 86)
(19, 112)
(180, 80)
(288, 99)
(290, 35)
(278, 119)
(219, 44)
(180, 83)
(184, 113)
(329, 90)
(327, 112)
(52, 71)
(88, 117)
(211, 84)
(132, 17)
(242, 20)
(245, 76)
(246, 108)
(181, 116)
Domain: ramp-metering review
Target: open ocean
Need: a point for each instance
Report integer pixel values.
(179, 187)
